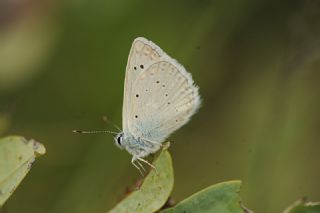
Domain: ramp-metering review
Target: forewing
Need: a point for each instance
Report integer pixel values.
(143, 53)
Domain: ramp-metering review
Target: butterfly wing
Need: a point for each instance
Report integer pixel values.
(162, 98)
(142, 54)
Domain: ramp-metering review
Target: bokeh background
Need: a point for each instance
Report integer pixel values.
(62, 66)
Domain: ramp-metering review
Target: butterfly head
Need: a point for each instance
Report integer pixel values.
(118, 139)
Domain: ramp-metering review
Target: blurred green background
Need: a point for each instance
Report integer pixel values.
(62, 66)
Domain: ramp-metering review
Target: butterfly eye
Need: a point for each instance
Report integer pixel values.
(119, 139)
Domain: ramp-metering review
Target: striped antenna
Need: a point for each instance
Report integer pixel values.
(94, 131)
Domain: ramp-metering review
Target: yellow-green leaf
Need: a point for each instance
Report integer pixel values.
(219, 198)
(154, 191)
(16, 157)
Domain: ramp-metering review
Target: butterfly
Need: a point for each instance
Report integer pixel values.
(159, 97)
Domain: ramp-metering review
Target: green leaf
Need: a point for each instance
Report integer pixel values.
(301, 206)
(16, 156)
(154, 191)
(220, 198)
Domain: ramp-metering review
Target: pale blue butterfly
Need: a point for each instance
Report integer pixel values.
(159, 97)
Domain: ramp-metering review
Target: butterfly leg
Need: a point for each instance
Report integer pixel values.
(135, 165)
(146, 162)
(141, 166)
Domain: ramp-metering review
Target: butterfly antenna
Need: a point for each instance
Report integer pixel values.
(107, 120)
(94, 131)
